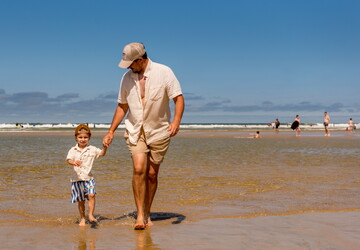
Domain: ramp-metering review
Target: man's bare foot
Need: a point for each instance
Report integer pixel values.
(92, 219)
(140, 224)
(82, 222)
(149, 223)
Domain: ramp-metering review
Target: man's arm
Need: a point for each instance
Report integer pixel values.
(119, 115)
(179, 110)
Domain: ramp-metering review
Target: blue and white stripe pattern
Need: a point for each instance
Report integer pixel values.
(81, 189)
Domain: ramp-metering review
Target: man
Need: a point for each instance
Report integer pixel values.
(326, 123)
(351, 126)
(145, 92)
(296, 125)
(277, 124)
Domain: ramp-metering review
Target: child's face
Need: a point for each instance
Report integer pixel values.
(82, 139)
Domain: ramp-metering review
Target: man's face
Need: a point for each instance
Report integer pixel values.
(137, 65)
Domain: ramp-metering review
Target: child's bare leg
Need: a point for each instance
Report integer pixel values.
(81, 206)
(91, 207)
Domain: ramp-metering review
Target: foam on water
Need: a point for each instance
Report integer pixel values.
(307, 126)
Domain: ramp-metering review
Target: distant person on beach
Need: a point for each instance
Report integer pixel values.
(82, 182)
(256, 135)
(296, 125)
(277, 124)
(351, 126)
(326, 123)
(145, 94)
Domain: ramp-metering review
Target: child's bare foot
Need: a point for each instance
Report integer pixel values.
(82, 222)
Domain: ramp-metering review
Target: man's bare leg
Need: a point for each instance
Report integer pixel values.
(91, 205)
(152, 183)
(327, 131)
(81, 206)
(139, 188)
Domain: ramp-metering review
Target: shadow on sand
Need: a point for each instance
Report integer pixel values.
(156, 216)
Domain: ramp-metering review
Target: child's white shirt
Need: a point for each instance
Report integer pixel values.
(87, 155)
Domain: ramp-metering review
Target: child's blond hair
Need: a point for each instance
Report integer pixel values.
(82, 128)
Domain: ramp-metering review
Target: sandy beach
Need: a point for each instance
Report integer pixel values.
(218, 190)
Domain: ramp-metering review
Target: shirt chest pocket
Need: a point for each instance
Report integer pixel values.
(88, 156)
(156, 93)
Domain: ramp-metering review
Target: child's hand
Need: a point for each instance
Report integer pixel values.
(77, 163)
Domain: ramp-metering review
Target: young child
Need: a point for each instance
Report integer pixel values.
(83, 183)
(257, 135)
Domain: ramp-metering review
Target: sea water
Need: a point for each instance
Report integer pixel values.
(203, 171)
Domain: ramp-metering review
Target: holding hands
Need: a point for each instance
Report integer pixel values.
(108, 139)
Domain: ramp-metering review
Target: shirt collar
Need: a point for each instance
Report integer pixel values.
(77, 148)
(147, 70)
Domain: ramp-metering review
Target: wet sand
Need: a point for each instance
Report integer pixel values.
(218, 190)
(302, 231)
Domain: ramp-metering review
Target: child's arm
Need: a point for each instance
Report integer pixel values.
(74, 163)
(70, 159)
(102, 152)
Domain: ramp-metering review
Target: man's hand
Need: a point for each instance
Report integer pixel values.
(179, 110)
(174, 128)
(108, 139)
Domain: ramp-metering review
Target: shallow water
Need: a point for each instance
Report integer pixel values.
(274, 175)
(206, 175)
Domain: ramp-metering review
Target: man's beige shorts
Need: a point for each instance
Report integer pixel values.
(156, 150)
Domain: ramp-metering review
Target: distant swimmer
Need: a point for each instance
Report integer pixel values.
(252, 136)
(256, 135)
(296, 125)
(351, 126)
(19, 125)
(326, 123)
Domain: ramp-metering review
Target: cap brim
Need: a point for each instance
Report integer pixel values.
(125, 64)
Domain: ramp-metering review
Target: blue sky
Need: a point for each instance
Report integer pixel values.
(237, 61)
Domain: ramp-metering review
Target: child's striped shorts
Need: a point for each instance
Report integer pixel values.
(81, 189)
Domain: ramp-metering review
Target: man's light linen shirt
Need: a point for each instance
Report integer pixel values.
(161, 85)
(87, 155)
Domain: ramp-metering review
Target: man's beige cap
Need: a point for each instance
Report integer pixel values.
(130, 53)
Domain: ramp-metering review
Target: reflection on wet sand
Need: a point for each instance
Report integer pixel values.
(144, 240)
(87, 239)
